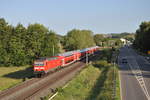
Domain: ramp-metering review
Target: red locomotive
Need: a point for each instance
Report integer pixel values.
(44, 65)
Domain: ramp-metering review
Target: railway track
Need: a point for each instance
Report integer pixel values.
(37, 87)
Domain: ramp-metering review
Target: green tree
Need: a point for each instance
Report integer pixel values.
(20, 46)
(142, 37)
(35, 40)
(99, 38)
(79, 39)
(5, 35)
(17, 46)
(51, 45)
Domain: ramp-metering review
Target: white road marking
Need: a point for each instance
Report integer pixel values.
(138, 75)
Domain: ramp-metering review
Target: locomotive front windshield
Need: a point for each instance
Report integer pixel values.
(38, 64)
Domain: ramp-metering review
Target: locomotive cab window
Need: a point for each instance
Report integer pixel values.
(38, 64)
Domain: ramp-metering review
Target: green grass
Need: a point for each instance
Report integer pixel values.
(10, 76)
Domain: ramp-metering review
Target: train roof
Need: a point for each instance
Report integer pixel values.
(83, 50)
(68, 53)
(86, 49)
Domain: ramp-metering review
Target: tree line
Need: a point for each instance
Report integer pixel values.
(78, 39)
(142, 37)
(20, 45)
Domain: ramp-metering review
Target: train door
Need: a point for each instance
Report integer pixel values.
(63, 62)
(74, 57)
(78, 56)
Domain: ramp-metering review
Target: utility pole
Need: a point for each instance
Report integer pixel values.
(86, 58)
(114, 83)
(53, 50)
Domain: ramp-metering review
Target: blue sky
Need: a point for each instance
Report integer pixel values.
(100, 16)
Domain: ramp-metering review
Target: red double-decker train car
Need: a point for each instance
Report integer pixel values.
(70, 57)
(88, 51)
(46, 64)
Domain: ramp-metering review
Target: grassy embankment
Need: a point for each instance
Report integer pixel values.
(10, 76)
(93, 83)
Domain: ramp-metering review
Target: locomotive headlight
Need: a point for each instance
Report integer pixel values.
(38, 68)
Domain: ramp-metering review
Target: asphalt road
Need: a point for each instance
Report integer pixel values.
(134, 76)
